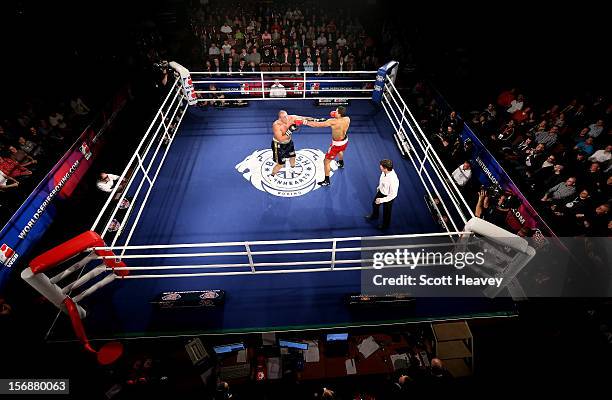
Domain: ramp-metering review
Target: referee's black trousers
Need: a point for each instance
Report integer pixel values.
(387, 207)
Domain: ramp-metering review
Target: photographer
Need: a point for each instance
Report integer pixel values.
(495, 214)
(161, 76)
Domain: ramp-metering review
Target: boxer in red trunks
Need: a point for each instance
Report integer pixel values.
(339, 124)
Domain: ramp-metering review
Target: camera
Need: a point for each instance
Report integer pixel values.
(511, 201)
(161, 65)
(493, 191)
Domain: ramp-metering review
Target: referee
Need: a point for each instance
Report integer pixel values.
(386, 192)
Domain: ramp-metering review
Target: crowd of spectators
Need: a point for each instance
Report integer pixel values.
(31, 141)
(278, 37)
(558, 155)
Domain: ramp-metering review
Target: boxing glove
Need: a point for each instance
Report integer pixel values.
(333, 114)
(299, 122)
(291, 129)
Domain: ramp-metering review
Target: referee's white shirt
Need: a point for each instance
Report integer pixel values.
(388, 184)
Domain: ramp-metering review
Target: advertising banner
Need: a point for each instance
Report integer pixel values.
(38, 211)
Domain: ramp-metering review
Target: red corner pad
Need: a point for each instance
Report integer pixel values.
(65, 251)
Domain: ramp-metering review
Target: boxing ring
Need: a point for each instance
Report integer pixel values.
(196, 213)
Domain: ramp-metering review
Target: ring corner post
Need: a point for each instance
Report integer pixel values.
(189, 92)
(388, 70)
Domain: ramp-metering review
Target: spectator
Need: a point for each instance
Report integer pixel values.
(243, 55)
(535, 159)
(490, 112)
(557, 176)
(561, 191)
(226, 47)
(230, 66)
(208, 67)
(106, 182)
(560, 121)
(216, 65)
(242, 67)
(297, 66)
(593, 178)
(549, 162)
(595, 222)
(254, 57)
(340, 64)
(579, 206)
(239, 36)
(5, 308)
(233, 56)
(462, 174)
(266, 57)
(226, 29)
(507, 135)
(328, 394)
(11, 168)
(252, 67)
(319, 67)
(400, 388)
(596, 128)
(321, 40)
(286, 57)
(493, 213)
(213, 50)
(308, 65)
(516, 105)
(548, 139)
(79, 107)
(6, 182)
(21, 157)
(57, 120)
(266, 37)
(602, 155)
(223, 391)
(582, 135)
(438, 374)
(586, 146)
(30, 147)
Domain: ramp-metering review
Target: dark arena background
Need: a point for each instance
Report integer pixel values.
(158, 238)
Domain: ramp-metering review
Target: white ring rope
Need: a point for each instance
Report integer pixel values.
(420, 175)
(268, 252)
(284, 271)
(301, 73)
(283, 242)
(424, 137)
(424, 149)
(295, 81)
(175, 85)
(144, 201)
(426, 157)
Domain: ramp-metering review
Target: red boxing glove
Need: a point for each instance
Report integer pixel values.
(333, 114)
(299, 122)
